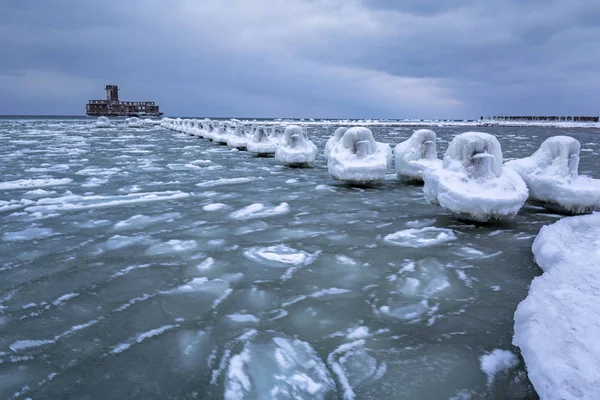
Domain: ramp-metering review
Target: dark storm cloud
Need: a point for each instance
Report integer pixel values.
(327, 58)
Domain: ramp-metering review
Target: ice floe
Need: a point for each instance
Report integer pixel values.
(33, 183)
(415, 155)
(358, 159)
(279, 367)
(472, 183)
(259, 210)
(552, 176)
(420, 237)
(295, 149)
(556, 326)
(497, 361)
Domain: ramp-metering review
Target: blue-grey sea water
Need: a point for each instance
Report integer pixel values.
(142, 263)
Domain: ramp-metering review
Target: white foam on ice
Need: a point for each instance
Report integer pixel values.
(497, 361)
(71, 202)
(415, 155)
(420, 237)
(225, 181)
(472, 184)
(259, 210)
(214, 207)
(295, 149)
(556, 326)
(172, 246)
(552, 176)
(358, 159)
(27, 234)
(141, 221)
(141, 337)
(33, 183)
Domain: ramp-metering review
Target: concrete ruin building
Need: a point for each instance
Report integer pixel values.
(113, 107)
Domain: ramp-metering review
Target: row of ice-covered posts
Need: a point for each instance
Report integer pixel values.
(471, 181)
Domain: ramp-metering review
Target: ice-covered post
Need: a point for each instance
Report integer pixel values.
(481, 165)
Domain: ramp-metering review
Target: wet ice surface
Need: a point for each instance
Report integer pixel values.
(143, 263)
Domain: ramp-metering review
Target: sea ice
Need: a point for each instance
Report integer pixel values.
(260, 143)
(102, 122)
(472, 183)
(238, 139)
(277, 367)
(415, 155)
(358, 159)
(33, 183)
(551, 174)
(295, 149)
(259, 210)
(332, 141)
(556, 326)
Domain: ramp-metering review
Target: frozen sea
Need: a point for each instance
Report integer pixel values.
(141, 263)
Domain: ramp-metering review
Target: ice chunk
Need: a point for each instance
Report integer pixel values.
(280, 256)
(497, 361)
(295, 149)
(358, 159)
(259, 210)
(552, 176)
(278, 368)
(27, 234)
(337, 135)
(238, 139)
(557, 325)
(102, 122)
(472, 183)
(260, 143)
(134, 122)
(415, 155)
(423, 237)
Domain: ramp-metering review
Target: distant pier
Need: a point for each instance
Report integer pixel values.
(113, 107)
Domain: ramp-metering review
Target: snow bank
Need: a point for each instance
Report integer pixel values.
(358, 159)
(102, 122)
(415, 155)
(472, 182)
(552, 176)
(557, 325)
(337, 135)
(295, 149)
(260, 143)
(238, 139)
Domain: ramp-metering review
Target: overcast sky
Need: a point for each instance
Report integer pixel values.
(304, 58)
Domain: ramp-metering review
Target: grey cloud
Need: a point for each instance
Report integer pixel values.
(373, 58)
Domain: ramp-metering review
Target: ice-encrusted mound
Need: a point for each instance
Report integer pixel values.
(557, 325)
(238, 139)
(358, 159)
(415, 155)
(276, 133)
(277, 368)
(211, 130)
(295, 149)
(337, 135)
(102, 122)
(260, 143)
(551, 174)
(134, 122)
(472, 183)
(221, 136)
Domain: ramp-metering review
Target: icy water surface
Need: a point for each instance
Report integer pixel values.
(147, 264)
